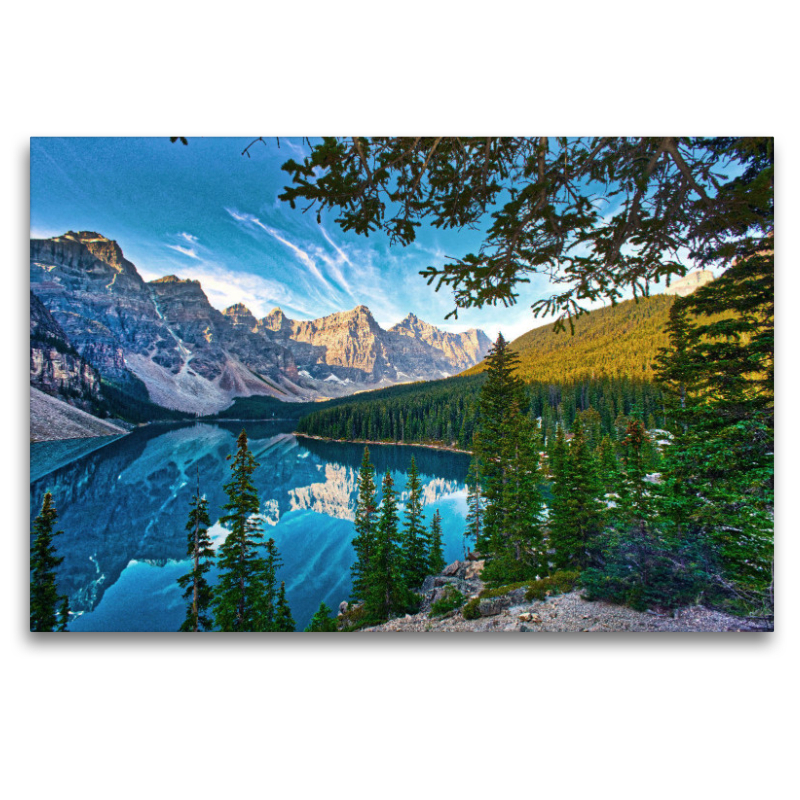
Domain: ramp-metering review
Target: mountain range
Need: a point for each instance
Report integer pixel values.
(97, 326)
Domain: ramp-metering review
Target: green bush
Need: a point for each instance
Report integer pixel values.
(450, 600)
(499, 591)
(472, 609)
(504, 569)
(559, 582)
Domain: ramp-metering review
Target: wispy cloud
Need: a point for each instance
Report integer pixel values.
(187, 251)
(224, 287)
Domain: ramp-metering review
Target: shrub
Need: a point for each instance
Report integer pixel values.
(499, 591)
(559, 582)
(472, 609)
(450, 600)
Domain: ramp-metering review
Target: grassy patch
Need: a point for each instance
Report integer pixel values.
(559, 582)
(472, 609)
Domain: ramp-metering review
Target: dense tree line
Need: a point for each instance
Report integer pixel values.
(447, 412)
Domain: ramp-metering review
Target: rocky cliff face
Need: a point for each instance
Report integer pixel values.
(165, 333)
(463, 350)
(194, 358)
(56, 367)
(688, 283)
(351, 349)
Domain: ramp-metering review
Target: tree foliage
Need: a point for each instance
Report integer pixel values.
(49, 610)
(414, 536)
(595, 215)
(365, 528)
(197, 590)
(246, 597)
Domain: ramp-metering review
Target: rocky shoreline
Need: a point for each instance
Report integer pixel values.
(562, 613)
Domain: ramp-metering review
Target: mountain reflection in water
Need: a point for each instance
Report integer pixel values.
(123, 509)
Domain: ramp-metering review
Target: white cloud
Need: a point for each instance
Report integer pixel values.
(190, 238)
(187, 251)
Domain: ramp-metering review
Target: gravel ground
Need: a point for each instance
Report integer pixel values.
(52, 418)
(567, 613)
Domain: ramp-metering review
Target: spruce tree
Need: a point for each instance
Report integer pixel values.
(474, 533)
(365, 527)
(577, 510)
(386, 592)
(518, 553)
(718, 477)
(322, 621)
(197, 590)
(239, 590)
(45, 600)
(266, 604)
(414, 539)
(284, 622)
(436, 561)
(63, 614)
(608, 465)
(506, 447)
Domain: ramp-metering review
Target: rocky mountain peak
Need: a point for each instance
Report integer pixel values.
(240, 316)
(276, 320)
(99, 246)
(172, 279)
(687, 284)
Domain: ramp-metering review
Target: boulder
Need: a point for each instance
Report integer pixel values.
(473, 556)
(473, 569)
(451, 569)
(517, 596)
(342, 607)
(428, 585)
(491, 606)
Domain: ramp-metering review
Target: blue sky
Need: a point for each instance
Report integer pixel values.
(205, 211)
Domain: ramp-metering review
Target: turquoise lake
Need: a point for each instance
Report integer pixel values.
(123, 504)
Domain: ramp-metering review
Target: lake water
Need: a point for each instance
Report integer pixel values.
(123, 509)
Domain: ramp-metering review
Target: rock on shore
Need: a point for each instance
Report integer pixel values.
(565, 613)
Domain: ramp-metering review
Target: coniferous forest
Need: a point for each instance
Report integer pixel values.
(625, 452)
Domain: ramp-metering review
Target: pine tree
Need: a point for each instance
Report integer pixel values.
(63, 614)
(322, 621)
(198, 592)
(284, 623)
(436, 561)
(502, 398)
(577, 510)
(239, 590)
(608, 465)
(634, 507)
(414, 539)
(45, 599)
(518, 553)
(365, 525)
(474, 533)
(266, 605)
(718, 478)
(386, 592)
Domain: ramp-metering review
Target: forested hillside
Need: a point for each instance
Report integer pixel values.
(614, 342)
(446, 411)
(606, 365)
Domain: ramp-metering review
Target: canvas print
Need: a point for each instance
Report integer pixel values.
(402, 384)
